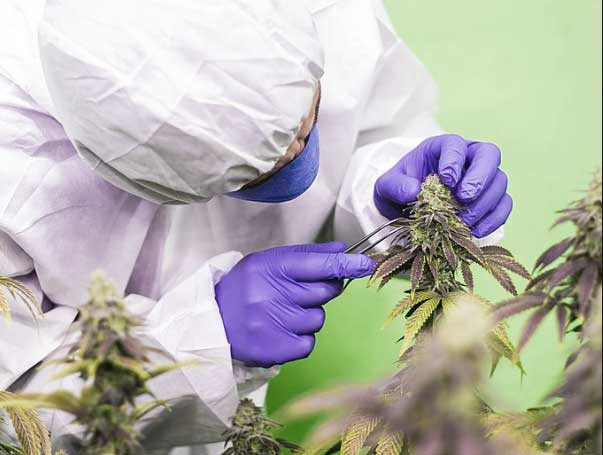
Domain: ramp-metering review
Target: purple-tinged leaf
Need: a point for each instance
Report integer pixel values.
(518, 305)
(467, 275)
(569, 217)
(433, 269)
(471, 248)
(539, 280)
(503, 279)
(449, 254)
(391, 266)
(554, 253)
(561, 314)
(496, 250)
(510, 264)
(532, 324)
(416, 272)
(586, 286)
(566, 270)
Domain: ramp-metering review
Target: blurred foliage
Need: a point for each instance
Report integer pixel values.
(430, 406)
(115, 368)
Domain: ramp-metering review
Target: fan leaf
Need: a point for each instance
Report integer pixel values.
(391, 266)
(415, 323)
(561, 314)
(407, 303)
(566, 270)
(356, 434)
(467, 276)
(390, 444)
(587, 284)
(496, 250)
(532, 324)
(553, 253)
(518, 305)
(511, 265)
(449, 254)
(416, 272)
(503, 279)
(471, 248)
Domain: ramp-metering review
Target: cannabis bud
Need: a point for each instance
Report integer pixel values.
(251, 433)
(115, 369)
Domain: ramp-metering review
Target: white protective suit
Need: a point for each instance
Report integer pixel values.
(138, 113)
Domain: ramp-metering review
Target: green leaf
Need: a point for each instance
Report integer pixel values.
(415, 323)
(356, 434)
(61, 400)
(501, 345)
(390, 444)
(408, 303)
(33, 436)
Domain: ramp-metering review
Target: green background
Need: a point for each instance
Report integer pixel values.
(527, 76)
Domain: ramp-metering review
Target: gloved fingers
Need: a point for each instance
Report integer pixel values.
(494, 219)
(328, 247)
(489, 199)
(484, 160)
(317, 293)
(310, 267)
(393, 190)
(284, 347)
(287, 348)
(308, 321)
(304, 346)
(450, 150)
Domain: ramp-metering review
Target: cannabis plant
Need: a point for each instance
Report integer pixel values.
(32, 435)
(436, 249)
(251, 433)
(429, 406)
(567, 287)
(18, 292)
(115, 369)
(575, 425)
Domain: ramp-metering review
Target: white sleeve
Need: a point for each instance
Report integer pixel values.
(399, 115)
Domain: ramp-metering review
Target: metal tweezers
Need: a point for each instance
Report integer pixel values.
(397, 229)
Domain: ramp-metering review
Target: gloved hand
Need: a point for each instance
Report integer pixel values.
(469, 168)
(271, 301)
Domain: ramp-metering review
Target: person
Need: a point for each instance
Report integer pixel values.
(195, 151)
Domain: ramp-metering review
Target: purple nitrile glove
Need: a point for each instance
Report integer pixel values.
(271, 301)
(469, 168)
